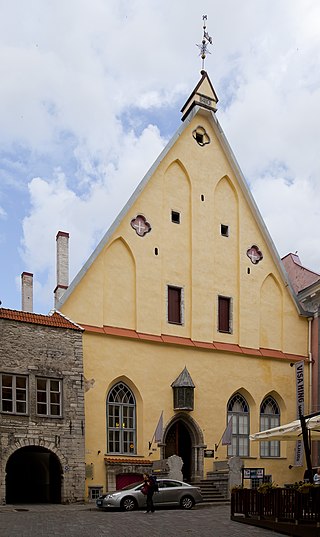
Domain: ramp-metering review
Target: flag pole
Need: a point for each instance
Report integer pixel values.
(228, 430)
(158, 431)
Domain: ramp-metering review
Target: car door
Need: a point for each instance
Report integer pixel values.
(169, 492)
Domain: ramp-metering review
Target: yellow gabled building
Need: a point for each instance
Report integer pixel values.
(187, 310)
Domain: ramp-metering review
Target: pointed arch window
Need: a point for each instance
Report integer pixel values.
(121, 420)
(238, 410)
(269, 418)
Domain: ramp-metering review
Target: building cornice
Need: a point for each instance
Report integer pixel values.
(188, 342)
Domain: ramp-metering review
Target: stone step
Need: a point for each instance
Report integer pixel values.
(210, 491)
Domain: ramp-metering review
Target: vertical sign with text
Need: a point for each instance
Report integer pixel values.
(299, 370)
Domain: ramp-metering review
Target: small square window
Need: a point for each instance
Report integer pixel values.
(224, 230)
(175, 217)
(94, 492)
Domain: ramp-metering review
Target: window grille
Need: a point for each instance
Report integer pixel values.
(14, 394)
(238, 410)
(269, 418)
(49, 397)
(121, 420)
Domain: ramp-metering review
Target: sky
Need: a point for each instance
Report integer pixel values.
(91, 92)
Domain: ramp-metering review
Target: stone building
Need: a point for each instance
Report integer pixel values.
(41, 408)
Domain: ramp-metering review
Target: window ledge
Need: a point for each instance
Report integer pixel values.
(274, 458)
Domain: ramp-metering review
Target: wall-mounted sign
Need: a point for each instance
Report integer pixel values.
(253, 473)
(209, 453)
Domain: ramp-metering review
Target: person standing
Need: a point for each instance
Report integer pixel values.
(149, 488)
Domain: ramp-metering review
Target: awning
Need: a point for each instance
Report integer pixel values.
(290, 431)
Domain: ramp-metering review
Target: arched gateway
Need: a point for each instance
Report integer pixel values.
(183, 437)
(33, 475)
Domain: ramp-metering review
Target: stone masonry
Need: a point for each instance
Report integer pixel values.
(43, 347)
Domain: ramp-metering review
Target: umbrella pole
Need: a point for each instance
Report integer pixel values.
(306, 446)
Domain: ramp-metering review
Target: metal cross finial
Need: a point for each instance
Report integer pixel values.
(206, 39)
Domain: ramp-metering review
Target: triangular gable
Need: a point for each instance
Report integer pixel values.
(203, 95)
(241, 182)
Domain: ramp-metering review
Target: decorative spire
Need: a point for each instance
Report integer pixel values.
(206, 39)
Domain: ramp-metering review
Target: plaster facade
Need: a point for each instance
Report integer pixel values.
(121, 299)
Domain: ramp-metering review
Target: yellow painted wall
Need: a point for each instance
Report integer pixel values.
(150, 368)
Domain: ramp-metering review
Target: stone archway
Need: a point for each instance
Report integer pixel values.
(33, 475)
(183, 437)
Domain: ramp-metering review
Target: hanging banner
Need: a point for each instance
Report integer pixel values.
(299, 370)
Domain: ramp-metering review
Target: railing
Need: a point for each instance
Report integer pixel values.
(279, 504)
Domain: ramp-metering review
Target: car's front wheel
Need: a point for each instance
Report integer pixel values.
(187, 502)
(129, 504)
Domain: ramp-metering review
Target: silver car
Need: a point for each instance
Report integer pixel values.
(171, 492)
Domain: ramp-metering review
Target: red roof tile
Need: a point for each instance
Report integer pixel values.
(273, 353)
(203, 345)
(56, 319)
(90, 328)
(229, 347)
(115, 331)
(149, 337)
(178, 340)
(127, 461)
(249, 350)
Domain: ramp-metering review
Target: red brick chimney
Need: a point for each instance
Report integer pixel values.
(62, 239)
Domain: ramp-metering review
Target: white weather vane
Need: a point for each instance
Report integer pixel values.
(206, 40)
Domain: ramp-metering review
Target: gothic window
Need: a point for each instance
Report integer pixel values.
(269, 418)
(238, 410)
(121, 420)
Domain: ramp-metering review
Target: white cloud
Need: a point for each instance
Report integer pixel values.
(71, 73)
(56, 207)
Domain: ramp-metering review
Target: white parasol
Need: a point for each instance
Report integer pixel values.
(290, 431)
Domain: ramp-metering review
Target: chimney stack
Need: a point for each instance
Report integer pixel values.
(27, 291)
(62, 239)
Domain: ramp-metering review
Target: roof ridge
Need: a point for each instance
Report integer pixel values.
(53, 311)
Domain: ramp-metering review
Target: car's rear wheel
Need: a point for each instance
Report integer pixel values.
(129, 504)
(187, 502)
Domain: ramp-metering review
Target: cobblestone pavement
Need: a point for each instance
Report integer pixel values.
(88, 521)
